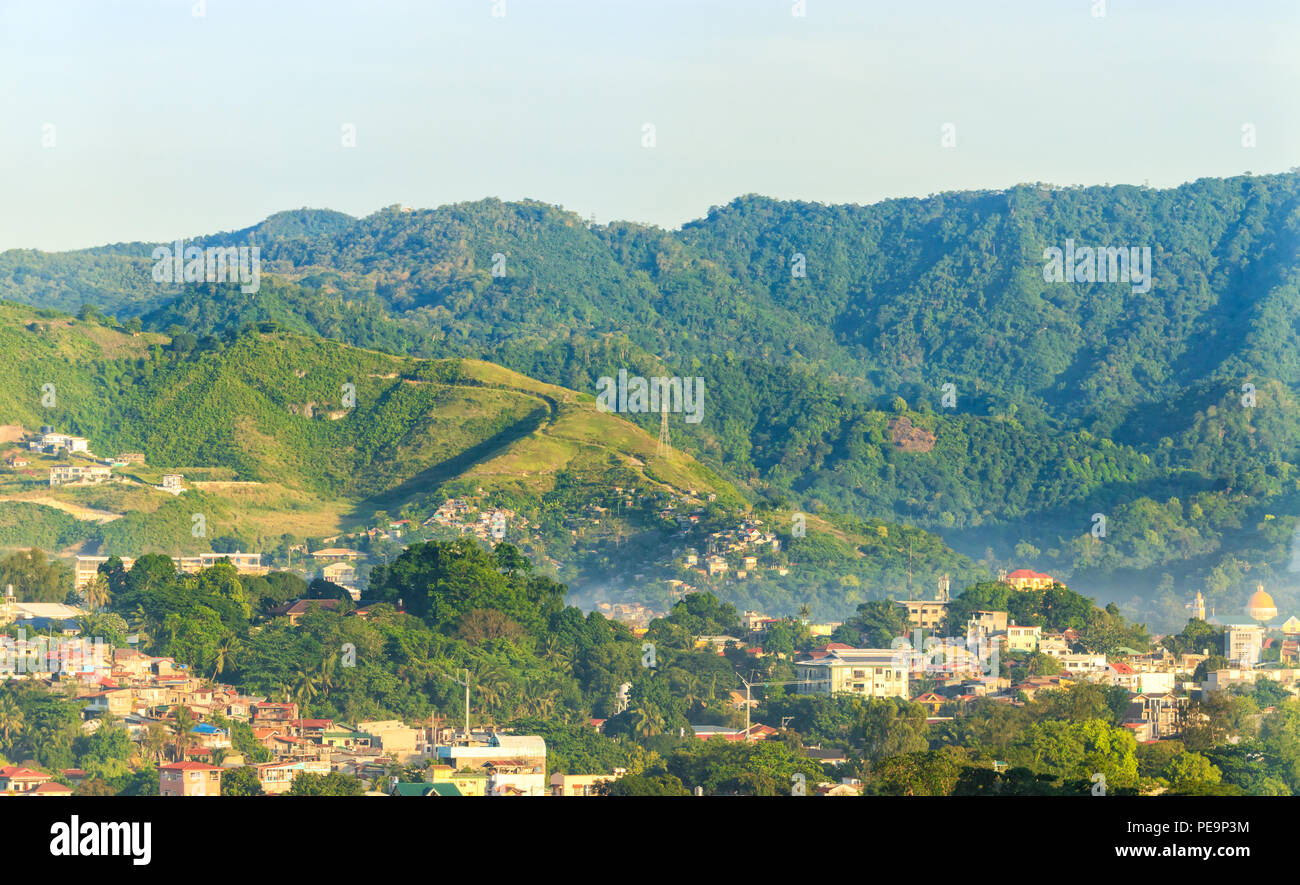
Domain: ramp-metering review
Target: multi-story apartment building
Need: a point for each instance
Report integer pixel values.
(928, 614)
(1023, 638)
(1243, 644)
(875, 672)
(244, 563)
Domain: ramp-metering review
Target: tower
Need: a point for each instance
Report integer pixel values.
(665, 446)
(945, 583)
(1198, 607)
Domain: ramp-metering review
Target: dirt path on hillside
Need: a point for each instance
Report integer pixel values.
(89, 514)
(218, 484)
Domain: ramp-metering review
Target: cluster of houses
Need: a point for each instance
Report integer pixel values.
(143, 692)
(742, 545)
(636, 615)
(487, 524)
(961, 671)
(957, 672)
(87, 468)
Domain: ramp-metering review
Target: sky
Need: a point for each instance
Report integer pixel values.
(142, 120)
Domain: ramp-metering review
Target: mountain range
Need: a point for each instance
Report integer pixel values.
(908, 362)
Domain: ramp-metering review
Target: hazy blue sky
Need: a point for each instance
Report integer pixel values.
(166, 124)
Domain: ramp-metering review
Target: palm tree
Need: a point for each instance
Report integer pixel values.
(11, 720)
(305, 690)
(97, 593)
(538, 700)
(492, 684)
(325, 674)
(184, 736)
(225, 650)
(553, 651)
(692, 690)
(155, 740)
(139, 625)
(647, 720)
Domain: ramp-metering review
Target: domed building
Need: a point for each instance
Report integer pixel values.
(1261, 607)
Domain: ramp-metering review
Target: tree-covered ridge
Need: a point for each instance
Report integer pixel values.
(537, 665)
(1071, 399)
(284, 439)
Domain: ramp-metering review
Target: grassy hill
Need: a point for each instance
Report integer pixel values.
(1072, 399)
(263, 417)
(283, 437)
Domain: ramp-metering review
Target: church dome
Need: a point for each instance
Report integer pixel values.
(1260, 606)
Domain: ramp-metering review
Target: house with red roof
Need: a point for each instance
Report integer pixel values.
(930, 701)
(51, 788)
(1027, 579)
(189, 779)
(16, 779)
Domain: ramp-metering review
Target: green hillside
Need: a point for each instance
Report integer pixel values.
(282, 437)
(1071, 399)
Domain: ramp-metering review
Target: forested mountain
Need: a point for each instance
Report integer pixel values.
(284, 438)
(825, 389)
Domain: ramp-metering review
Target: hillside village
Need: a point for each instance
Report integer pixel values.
(698, 558)
(199, 731)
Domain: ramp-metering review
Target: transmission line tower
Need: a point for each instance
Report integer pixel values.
(665, 445)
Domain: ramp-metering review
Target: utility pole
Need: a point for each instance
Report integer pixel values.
(748, 698)
(464, 682)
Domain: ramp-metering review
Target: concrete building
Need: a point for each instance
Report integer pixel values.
(1022, 638)
(515, 764)
(581, 784)
(189, 779)
(87, 567)
(928, 614)
(58, 441)
(76, 474)
(1026, 579)
(874, 672)
(1243, 644)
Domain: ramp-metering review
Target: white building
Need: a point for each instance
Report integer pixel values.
(1083, 665)
(64, 441)
(88, 566)
(1243, 644)
(874, 672)
(75, 474)
(516, 764)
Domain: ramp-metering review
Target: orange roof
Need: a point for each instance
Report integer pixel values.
(188, 766)
(1028, 575)
(52, 787)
